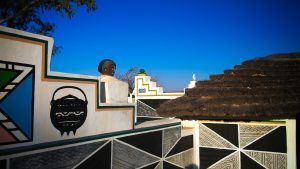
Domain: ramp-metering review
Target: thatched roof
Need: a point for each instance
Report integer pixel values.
(260, 89)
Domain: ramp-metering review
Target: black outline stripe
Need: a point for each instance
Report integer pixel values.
(58, 77)
(5, 90)
(32, 102)
(10, 129)
(10, 81)
(82, 139)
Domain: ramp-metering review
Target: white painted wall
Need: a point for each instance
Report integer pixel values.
(291, 146)
(98, 121)
(116, 91)
(191, 127)
(147, 89)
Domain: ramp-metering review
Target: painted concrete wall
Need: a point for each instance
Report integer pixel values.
(116, 91)
(164, 147)
(56, 120)
(145, 88)
(31, 112)
(31, 137)
(247, 144)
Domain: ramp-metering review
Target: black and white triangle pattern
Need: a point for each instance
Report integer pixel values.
(242, 145)
(149, 150)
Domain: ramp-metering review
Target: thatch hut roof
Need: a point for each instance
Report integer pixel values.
(259, 89)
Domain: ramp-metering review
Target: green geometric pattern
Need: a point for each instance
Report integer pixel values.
(7, 76)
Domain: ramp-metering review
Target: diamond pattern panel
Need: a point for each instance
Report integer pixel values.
(261, 145)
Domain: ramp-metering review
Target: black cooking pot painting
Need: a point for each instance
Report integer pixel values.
(69, 112)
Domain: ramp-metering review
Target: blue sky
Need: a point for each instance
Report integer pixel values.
(173, 39)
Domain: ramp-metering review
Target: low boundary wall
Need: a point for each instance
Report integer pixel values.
(152, 147)
(247, 144)
(55, 120)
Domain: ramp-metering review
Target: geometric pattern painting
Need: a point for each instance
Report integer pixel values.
(182, 159)
(209, 138)
(100, 157)
(126, 156)
(16, 102)
(162, 149)
(267, 159)
(238, 146)
(181, 154)
(248, 133)
(65, 158)
(158, 150)
(230, 161)
(170, 137)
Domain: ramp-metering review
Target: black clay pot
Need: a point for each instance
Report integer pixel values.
(69, 112)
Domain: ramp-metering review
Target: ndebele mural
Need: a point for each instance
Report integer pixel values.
(69, 112)
(16, 113)
(37, 106)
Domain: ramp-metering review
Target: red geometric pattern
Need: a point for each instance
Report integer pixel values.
(5, 137)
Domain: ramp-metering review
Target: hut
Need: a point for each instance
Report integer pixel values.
(247, 115)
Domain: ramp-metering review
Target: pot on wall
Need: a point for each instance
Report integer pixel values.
(68, 113)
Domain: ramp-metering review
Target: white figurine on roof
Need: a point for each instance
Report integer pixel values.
(194, 77)
(192, 82)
